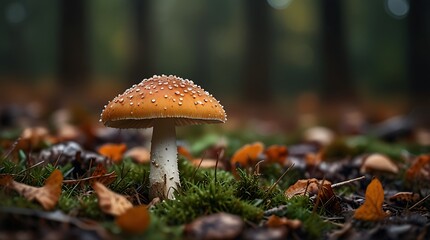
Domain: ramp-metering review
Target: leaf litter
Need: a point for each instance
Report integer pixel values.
(303, 190)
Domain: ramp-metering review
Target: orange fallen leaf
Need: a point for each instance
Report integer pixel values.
(420, 169)
(100, 175)
(404, 198)
(134, 220)
(372, 210)
(276, 154)
(184, 152)
(113, 151)
(305, 186)
(47, 195)
(110, 202)
(248, 154)
(274, 222)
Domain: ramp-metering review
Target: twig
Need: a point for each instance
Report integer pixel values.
(33, 166)
(347, 181)
(279, 179)
(200, 163)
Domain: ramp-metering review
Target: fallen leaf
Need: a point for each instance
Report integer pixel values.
(378, 162)
(313, 159)
(274, 222)
(185, 152)
(248, 154)
(305, 187)
(372, 210)
(276, 154)
(113, 151)
(110, 202)
(100, 175)
(420, 169)
(47, 195)
(139, 155)
(404, 198)
(134, 220)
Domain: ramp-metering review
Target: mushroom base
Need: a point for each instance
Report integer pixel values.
(164, 175)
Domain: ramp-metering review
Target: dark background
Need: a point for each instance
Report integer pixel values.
(280, 56)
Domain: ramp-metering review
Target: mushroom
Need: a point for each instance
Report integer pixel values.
(163, 102)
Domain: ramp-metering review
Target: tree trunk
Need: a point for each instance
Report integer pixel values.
(419, 51)
(336, 80)
(73, 52)
(142, 56)
(257, 52)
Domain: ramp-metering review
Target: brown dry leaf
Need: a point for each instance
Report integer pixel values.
(248, 154)
(113, 151)
(372, 210)
(313, 159)
(378, 162)
(276, 154)
(110, 202)
(327, 199)
(47, 195)
(134, 220)
(305, 186)
(100, 175)
(404, 198)
(274, 222)
(5, 180)
(420, 169)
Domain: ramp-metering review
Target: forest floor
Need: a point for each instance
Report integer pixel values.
(65, 176)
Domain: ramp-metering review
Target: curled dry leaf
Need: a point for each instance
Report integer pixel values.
(113, 151)
(110, 202)
(372, 210)
(139, 155)
(248, 154)
(134, 220)
(378, 162)
(404, 198)
(47, 195)
(274, 222)
(276, 154)
(305, 186)
(420, 170)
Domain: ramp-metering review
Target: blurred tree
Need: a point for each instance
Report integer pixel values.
(336, 80)
(257, 51)
(419, 51)
(73, 48)
(141, 52)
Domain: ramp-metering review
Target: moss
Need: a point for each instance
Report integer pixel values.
(131, 178)
(204, 199)
(300, 207)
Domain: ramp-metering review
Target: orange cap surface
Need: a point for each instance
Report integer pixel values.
(162, 97)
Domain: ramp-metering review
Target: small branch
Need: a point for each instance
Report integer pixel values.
(279, 179)
(347, 181)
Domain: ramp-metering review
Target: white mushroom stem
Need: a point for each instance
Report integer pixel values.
(164, 175)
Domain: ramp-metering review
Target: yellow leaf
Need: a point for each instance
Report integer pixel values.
(372, 210)
(111, 202)
(134, 220)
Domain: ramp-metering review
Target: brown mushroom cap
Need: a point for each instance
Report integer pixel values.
(162, 97)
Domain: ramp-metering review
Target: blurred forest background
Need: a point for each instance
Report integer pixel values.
(287, 56)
